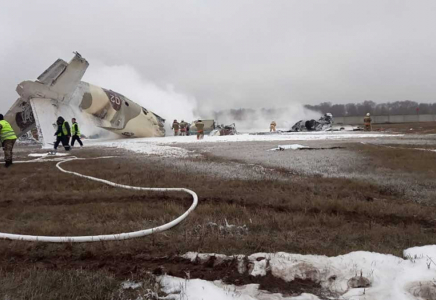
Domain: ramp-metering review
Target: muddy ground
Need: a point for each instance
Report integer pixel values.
(378, 195)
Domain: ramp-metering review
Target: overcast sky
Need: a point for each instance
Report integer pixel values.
(229, 54)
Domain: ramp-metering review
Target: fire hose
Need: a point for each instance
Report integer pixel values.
(106, 237)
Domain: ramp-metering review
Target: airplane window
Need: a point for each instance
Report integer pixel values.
(127, 104)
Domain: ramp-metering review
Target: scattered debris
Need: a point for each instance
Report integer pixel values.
(301, 147)
(224, 130)
(288, 147)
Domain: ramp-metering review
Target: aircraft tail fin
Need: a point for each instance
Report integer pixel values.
(63, 77)
(49, 76)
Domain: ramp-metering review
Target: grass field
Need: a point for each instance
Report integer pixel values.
(281, 209)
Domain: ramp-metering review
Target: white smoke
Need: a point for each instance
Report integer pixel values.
(164, 101)
(251, 120)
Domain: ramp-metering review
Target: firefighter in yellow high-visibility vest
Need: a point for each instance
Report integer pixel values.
(63, 134)
(7, 139)
(75, 133)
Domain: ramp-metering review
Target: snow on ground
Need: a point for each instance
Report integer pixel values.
(390, 277)
(160, 146)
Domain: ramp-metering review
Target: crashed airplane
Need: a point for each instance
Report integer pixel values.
(325, 123)
(59, 91)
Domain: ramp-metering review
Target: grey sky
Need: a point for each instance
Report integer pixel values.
(229, 54)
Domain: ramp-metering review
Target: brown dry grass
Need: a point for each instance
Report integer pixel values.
(421, 127)
(300, 214)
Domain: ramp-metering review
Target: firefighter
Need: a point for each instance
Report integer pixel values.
(183, 126)
(176, 127)
(272, 126)
(63, 134)
(367, 121)
(75, 133)
(200, 129)
(7, 139)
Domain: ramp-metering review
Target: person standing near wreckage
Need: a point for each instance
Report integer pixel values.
(63, 134)
(183, 126)
(75, 131)
(367, 121)
(200, 129)
(7, 139)
(176, 127)
(272, 126)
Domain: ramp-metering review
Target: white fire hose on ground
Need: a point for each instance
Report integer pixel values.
(107, 237)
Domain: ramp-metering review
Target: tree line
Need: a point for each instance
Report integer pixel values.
(406, 107)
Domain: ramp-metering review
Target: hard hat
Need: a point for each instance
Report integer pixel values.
(367, 114)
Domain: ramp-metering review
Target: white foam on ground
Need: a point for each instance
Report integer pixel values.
(391, 277)
(47, 154)
(158, 146)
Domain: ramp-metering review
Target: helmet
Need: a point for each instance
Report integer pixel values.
(367, 114)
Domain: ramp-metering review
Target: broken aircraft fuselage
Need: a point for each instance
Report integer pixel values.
(59, 91)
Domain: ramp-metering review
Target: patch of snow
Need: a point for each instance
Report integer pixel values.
(390, 277)
(422, 252)
(126, 285)
(197, 289)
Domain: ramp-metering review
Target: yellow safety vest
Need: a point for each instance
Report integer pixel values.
(6, 132)
(73, 129)
(64, 129)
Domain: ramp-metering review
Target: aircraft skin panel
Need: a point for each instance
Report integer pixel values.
(142, 126)
(21, 117)
(96, 102)
(45, 115)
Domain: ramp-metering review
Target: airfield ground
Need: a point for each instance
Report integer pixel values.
(373, 194)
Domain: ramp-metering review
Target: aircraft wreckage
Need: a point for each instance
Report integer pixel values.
(59, 91)
(324, 123)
